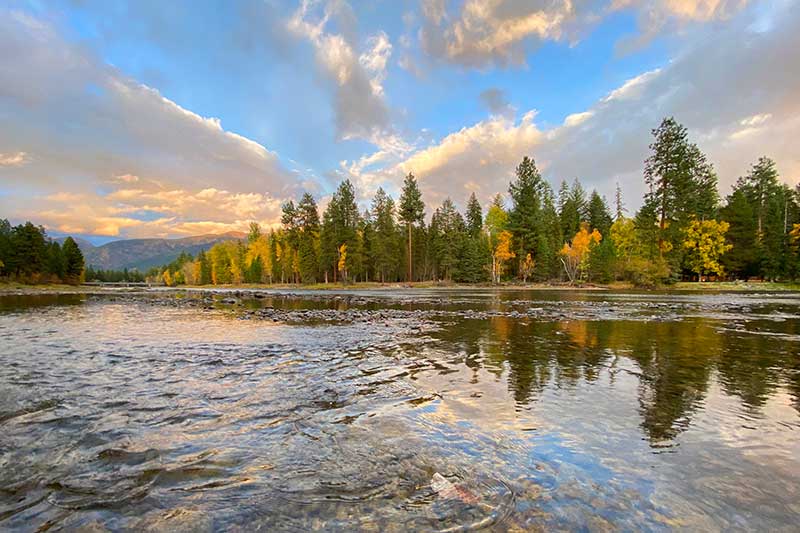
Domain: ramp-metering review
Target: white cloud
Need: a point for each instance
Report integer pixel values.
(374, 60)
(633, 87)
(173, 212)
(736, 90)
(497, 32)
(577, 119)
(487, 31)
(121, 133)
(15, 159)
(756, 120)
(361, 111)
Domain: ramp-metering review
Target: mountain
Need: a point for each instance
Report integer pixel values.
(83, 244)
(145, 253)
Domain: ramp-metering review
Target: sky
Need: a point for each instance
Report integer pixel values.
(168, 119)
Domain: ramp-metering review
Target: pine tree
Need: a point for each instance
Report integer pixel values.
(5, 247)
(682, 184)
(73, 261)
(384, 245)
(291, 226)
(308, 239)
(760, 185)
(340, 225)
(572, 209)
(447, 234)
(599, 216)
(28, 250)
(474, 218)
(55, 260)
(546, 257)
(412, 214)
(368, 246)
(205, 268)
(524, 218)
(741, 260)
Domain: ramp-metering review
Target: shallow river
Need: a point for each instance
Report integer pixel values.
(394, 411)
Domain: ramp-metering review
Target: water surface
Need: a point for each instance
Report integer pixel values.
(546, 410)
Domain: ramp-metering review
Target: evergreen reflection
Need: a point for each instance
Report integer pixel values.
(674, 362)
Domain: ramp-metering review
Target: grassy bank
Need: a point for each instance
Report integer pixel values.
(736, 286)
(19, 288)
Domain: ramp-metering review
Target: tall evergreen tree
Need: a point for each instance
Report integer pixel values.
(573, 209)
(73, 260)
(741, 260)
(340, 225)
(412, 214)
(760, 185)
(474, 218)
(5, 247)
(55, 260)
(681, 182)
(28, 250)
(599, 216)
(205, 268)
(524, 218)
(308, 239)
(447, 235)
(368, 246)
(291, 226)
(546, 258)
(385, 243)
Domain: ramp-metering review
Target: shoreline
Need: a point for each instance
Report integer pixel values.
(19, 289)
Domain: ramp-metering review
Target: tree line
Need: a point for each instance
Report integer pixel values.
(28, 255)
(682, 231)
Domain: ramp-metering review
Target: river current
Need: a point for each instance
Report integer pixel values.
(432, 410)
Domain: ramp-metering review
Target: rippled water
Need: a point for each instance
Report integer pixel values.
(544, 411)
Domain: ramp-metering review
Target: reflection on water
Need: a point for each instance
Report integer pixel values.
(543, 410)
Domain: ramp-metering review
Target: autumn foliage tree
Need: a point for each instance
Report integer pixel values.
(575, 255)
(501, 254)
(674, 235)
(704, 242)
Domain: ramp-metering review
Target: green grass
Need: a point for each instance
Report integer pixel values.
(736, 286)
(13, 286)
(763, 286)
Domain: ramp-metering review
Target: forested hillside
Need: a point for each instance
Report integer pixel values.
(142, 254)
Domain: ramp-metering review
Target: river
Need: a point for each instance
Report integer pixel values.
(397, 410)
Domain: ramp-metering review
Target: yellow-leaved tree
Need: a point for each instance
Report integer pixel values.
(704, 242)
(575, 255)
(526, 267)
(794, 237)
(501, 254)
(342, 265)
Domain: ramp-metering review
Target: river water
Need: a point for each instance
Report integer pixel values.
(193, 411)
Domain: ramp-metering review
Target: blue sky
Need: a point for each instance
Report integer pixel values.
(177, 118)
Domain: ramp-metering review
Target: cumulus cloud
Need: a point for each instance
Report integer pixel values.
(487, 31)
(359, 104)
(497, 32)
(609, 141)
(92, 128)
(151, 210)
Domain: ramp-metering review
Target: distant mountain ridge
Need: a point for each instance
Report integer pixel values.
(142, 254)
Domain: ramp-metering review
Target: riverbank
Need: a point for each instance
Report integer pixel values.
(719, 286)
